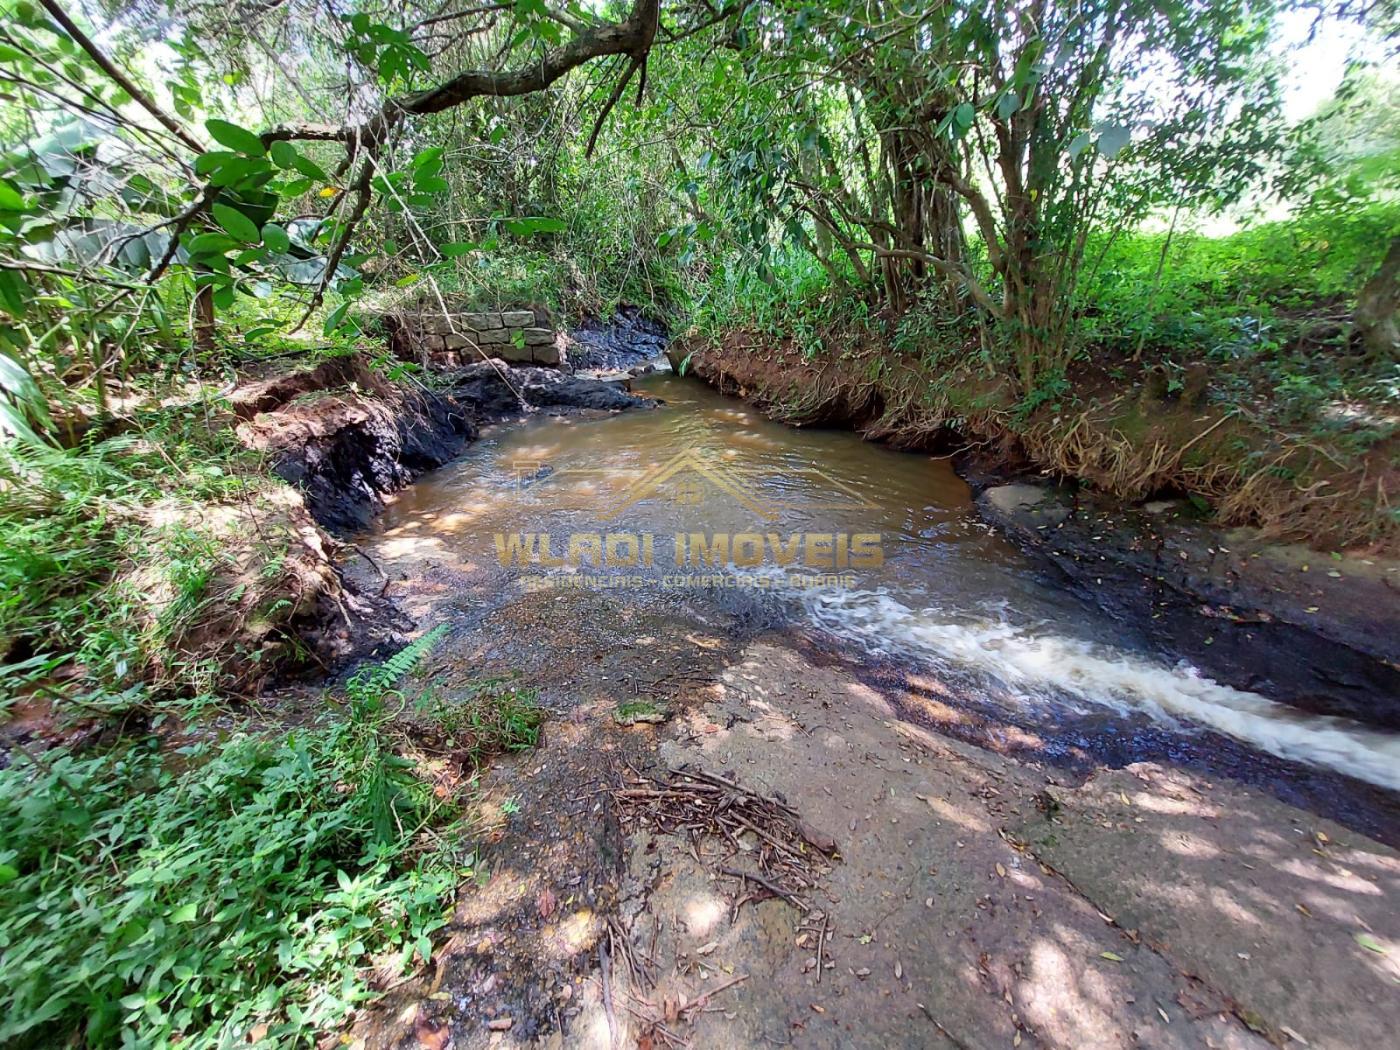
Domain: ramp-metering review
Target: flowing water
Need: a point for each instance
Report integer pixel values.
(941, 612)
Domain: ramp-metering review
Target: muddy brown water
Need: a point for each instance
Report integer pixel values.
(872, 558)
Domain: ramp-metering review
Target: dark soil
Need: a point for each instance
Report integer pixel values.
(626, 340)
(1271, 619)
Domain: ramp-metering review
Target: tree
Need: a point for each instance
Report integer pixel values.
(227, 228)
(892, 129)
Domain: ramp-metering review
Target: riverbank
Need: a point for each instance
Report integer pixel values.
(1319, 630)
(1136, 435)
(880, 884)
(200, 550)
(925, 861)
(928, 860)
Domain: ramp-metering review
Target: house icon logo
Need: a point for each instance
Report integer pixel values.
(685, 476)
(689, 478)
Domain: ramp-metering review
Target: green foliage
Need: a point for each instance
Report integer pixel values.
(1051, 388)
(1247, 293)
(252, 881)
(484, 719)
(791, 295)
(370, 687)
(74, 523)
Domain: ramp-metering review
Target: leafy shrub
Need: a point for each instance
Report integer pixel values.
(193, 901)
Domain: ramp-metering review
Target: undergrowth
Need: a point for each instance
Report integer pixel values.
(240, 891)
(74, 521)
(482, 719)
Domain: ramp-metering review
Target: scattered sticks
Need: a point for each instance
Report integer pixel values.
(780, 858)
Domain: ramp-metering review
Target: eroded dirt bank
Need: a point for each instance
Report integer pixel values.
(1317, 630)
(345, 439)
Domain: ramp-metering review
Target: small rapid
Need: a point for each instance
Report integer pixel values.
(1035, 664)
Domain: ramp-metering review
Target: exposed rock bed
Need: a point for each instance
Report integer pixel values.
(345, 450)
(345, 438)
(628, 340)
(1313, 631)
(493, 391)
(972, 901)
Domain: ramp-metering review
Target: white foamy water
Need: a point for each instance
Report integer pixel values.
(1036, 663)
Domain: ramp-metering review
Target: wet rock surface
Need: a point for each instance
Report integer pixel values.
(626, 340)
(971, 901)
(1315, 631)
(347, 439)
(1144, 843)
(492, 391)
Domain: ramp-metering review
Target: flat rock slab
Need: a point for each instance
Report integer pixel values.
(1029, 506)
(942, 932)
(1293, 917)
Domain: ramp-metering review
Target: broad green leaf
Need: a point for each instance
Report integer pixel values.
(237, 171)
(212, 244)
(334, 318)
(10, 198)
(429, 159)
(535, 224)
(1112, 139)
(235, 138)
(14, 292)
(964, 115)
(308, 167)
(213, 160)
(1080, 143)
(276, 238)
(456, 248)
(237, 224)
(296, 187)
(283, 154)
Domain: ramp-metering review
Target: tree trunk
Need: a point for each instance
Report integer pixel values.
(1378, 307)
(204, 318)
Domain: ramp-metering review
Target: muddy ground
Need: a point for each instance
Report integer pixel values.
(891, 887)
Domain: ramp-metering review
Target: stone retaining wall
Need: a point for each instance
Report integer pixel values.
(518, 336)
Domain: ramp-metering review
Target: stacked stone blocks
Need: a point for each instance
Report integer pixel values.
(517, 336)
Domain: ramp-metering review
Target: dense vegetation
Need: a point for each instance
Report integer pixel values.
(1021, 205)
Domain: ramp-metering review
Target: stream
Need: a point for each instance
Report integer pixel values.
(868, 557)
